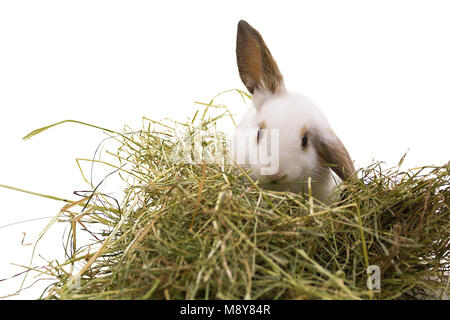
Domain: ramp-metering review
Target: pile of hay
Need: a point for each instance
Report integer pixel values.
(206, 231)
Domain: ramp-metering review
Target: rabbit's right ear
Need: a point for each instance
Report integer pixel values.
(257, 68)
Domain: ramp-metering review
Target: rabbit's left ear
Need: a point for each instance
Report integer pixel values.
(333, 153)
(257, 68)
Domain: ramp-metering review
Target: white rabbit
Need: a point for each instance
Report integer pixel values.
(283, 138)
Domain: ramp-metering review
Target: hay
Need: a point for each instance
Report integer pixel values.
(206, 231)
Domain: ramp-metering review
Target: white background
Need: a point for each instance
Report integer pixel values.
(380, 71)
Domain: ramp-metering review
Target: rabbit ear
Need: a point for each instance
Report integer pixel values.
(333, 153)
(257, 68)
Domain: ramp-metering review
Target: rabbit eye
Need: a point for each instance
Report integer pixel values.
(304, 140)
(258, 135)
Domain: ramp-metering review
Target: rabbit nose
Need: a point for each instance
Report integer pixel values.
(277, 177)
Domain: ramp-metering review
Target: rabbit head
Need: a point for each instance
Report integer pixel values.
(283, 138)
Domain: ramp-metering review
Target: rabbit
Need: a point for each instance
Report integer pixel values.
(286, 127)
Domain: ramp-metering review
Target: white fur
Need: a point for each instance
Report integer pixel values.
(289, 113)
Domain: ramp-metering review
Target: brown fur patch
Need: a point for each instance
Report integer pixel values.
(257, 67)
(262, 125)
(302, 132)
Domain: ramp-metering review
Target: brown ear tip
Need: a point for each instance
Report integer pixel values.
(244, 26)
(242, 23)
